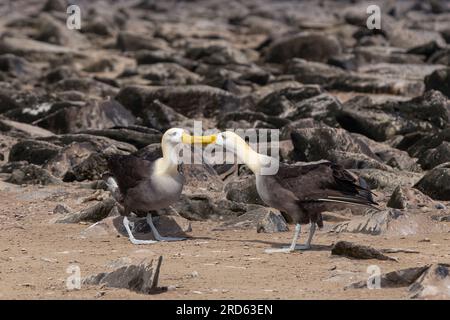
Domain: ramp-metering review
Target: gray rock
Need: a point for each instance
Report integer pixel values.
(436, 182)
(314, 144)
(297, 103)
(259, 218)
(137, 136)
(216, 54)
(380, 179)
(131, 41)
(406, 197)
(395, 279)
(142, 278)
(433, 283)
(305, 45)
(427, 113)
(33, 151)
(243, 190)
(439, 80)
(93, 213)
(61, 208)
(390, 221)
(20, 129)
(331, 77)
(167, 74)
(189, 100)
(32, 174)
(357, 251)
(435, 156)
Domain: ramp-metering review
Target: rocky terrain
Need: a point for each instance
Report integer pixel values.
(375, 101)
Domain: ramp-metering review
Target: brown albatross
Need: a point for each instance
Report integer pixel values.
(141, 185)
(301, 193)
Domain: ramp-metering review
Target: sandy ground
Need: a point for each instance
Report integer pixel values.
(35, 254)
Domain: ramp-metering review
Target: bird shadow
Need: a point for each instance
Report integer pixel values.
(314, 247)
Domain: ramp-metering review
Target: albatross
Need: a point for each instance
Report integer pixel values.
(301, 193)
(140, 185)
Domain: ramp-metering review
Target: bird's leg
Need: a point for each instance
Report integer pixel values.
(292, 247)
(156, 234)
(307, 245)
(133, 240)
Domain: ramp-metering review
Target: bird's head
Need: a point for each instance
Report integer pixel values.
(231, 141)
(175, 136)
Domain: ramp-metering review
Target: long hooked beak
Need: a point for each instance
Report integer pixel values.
(186, 138)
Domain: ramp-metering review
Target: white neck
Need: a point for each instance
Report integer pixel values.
(168, 164)
(254, 160)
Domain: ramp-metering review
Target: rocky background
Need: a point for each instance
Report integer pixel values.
(375, 101)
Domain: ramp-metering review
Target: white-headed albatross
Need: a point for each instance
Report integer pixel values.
(141, 185)
(301, 193)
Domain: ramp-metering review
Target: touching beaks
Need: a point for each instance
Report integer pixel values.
(186, 138)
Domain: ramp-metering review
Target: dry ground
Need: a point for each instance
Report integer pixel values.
(35, 253)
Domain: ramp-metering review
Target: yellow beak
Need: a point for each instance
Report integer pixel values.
(186, 138)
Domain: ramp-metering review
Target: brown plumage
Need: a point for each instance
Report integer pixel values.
(303, 192)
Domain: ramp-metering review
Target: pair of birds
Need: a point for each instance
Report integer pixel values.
(301, 193)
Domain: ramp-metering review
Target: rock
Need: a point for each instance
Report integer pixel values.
(380, 179)
(395, 279)
(304, 102)
(135, 135)
(167, 74)
(99, 27)
(436, 182)
(130, 41)
(388, 222)
(357, 251)
(74, 118)
(156, 56)
(433, 283)
(216, 54)
(243, 190)
(59, 73)
(55, 5)
(435, 156)
(33, 151)
(202, 207)
(93, 213)
(418, 144)
(99, 144)
(272, 222)
(259, 218)
(22, 129)
(51, 30)
(74, 160)
(32, 174)
(34, 50)
(161, 117)
(89, 86)
(427, 113)
(314, 144)
(62, 208)
(335, 78)
(405, 197)
(201, 176)
(439, 80)
(249, 119)
(16, 66)
(391, 156)
(91, 168)
(305, 45)
(190, 100)
(142, 278)
(112, 225)
(407, 38)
